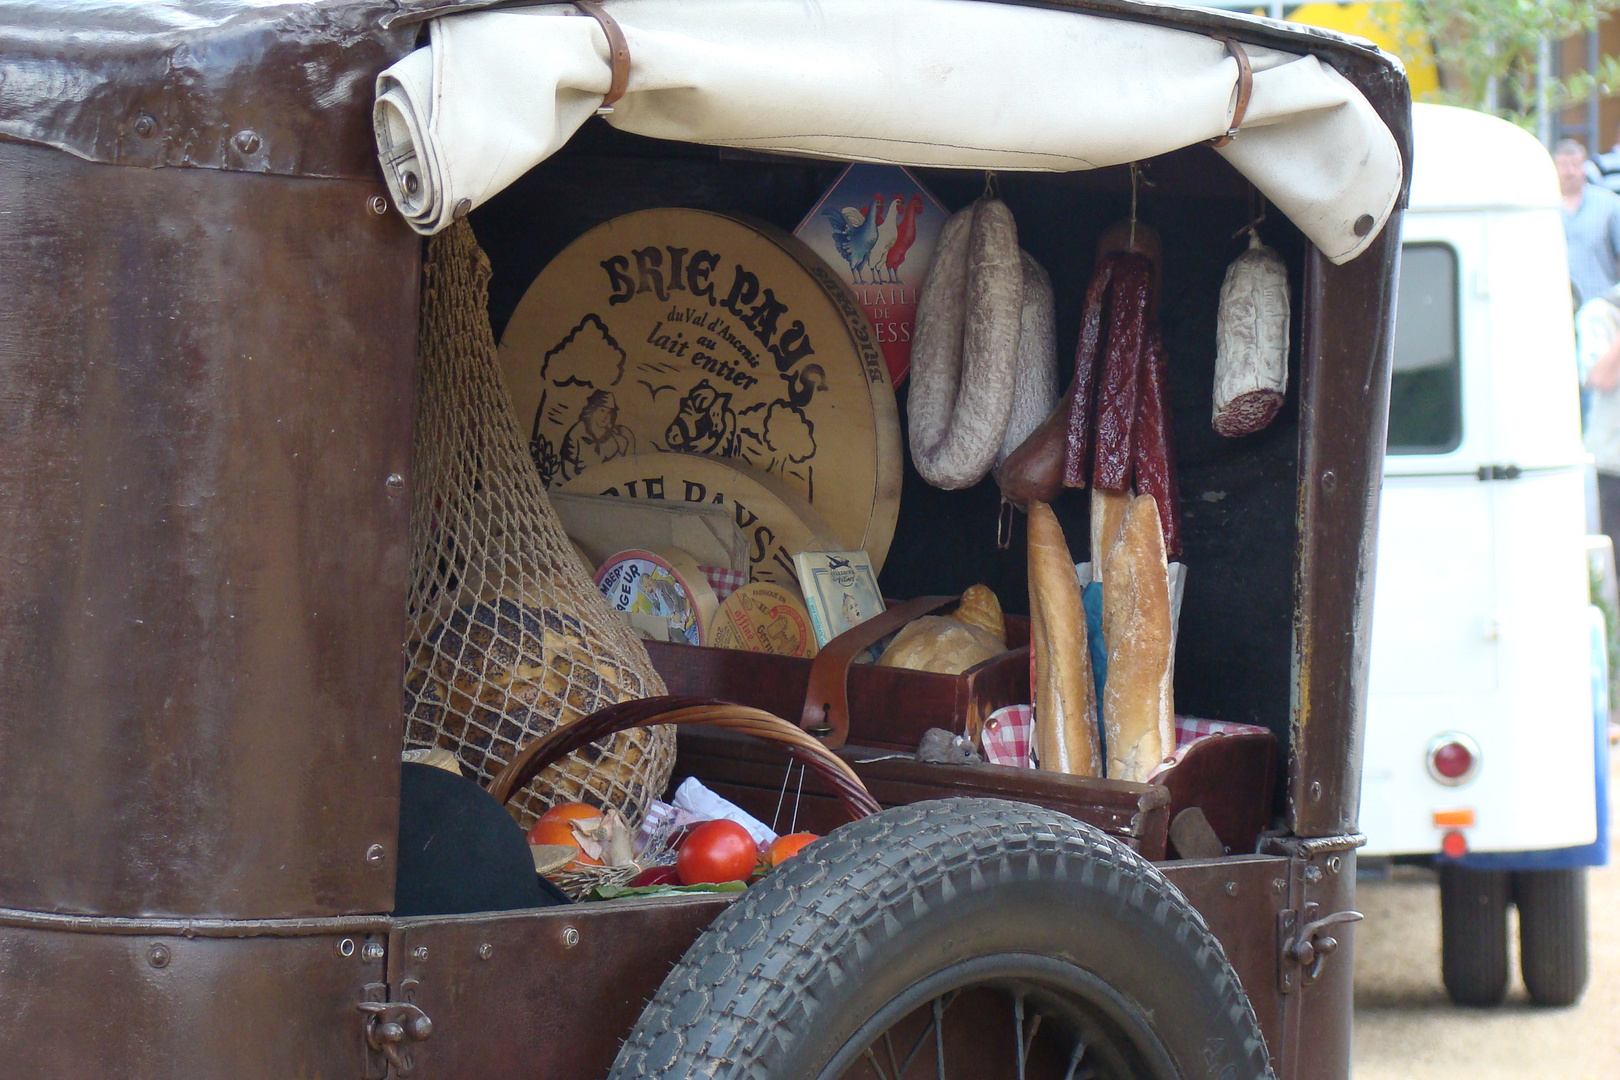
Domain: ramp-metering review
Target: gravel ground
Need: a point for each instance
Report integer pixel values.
(1407, 1029)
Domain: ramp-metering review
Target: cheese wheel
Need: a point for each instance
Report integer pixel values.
(776, 522)
(648, 583)
(764, 617)
(686, 330)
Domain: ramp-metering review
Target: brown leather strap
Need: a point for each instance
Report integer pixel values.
(618, 50)
(826, 701)
(1245, 88)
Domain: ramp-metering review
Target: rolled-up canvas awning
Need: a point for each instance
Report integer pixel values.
(954, 83)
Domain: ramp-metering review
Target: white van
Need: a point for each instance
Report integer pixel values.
(1486, 746)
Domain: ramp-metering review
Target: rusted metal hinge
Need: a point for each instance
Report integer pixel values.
(391, 1028)
(1303, 940)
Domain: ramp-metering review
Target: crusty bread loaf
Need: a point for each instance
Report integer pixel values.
(1107, 513)
(1138, 715)
(979, 607)
(1065, 698)
(940, 644)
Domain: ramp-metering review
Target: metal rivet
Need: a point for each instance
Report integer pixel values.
(247, 141)
(463, 208)
(1333, 864)
(420, 952)
(378, 204)
(1329, 481)
(485, 951)
(394, 485)
(375, 853)
(1316, 791)
(412, 184)
(570, 937)
(1364, 224)
(372, 950)
(1231, 888)
(346, 947)
(158, 956)
(1278, 884)
(1313, 874)
(145, 126)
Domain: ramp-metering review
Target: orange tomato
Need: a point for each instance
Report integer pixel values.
(571, 811)
(559, 833)
(785, 847)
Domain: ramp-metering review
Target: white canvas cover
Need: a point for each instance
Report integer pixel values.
(913, 82)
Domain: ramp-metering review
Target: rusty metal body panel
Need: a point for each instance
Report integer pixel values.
(85, 998)
(275, 88)
(546, 994)
(206, 381)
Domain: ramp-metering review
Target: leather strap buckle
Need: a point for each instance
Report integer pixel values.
(618, 51)
(1245, 88)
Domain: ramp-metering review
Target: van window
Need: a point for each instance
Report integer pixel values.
(1425, 395)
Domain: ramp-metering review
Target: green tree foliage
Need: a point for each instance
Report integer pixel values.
(1480, 42)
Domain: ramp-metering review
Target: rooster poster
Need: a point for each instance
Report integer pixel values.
(877, 227)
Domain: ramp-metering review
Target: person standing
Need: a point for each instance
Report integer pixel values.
(1591, 225)
(1597, 351)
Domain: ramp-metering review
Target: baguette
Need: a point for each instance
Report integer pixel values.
(1107, 512)
(1138, 716)
(1065, 699)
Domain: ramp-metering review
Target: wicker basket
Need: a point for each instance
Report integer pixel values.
(577, 880)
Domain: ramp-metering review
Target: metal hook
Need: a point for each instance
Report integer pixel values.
(991, 188)
(1257, 214)
(1004, 520)
(1136, 179)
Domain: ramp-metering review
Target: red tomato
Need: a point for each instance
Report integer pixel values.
(655, 875)
(716, 851)
(788, 846)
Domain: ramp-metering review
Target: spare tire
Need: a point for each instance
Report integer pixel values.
(937, 931)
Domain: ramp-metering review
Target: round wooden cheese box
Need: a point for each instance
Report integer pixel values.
(688, 331)
(775, 520)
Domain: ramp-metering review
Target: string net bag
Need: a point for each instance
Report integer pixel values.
(508, 638)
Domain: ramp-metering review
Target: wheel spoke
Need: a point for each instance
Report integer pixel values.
(1018, 1032)
(888, 1045)
(1074, 1063)
(872, 1058)
(939, 1037)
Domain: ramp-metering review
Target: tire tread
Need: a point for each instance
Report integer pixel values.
(840, 895)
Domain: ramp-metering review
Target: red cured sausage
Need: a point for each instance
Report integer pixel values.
(1155, 446)
(1122, 373)
(1082, 395)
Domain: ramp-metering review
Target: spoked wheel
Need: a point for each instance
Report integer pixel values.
(948, 940)
(1057, 1020)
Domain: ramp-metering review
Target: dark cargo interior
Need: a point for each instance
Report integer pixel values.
(1233, 653)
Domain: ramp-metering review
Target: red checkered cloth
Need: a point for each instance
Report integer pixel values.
(1008, 737)
(723, 580)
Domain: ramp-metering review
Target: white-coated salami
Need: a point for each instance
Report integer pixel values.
(965, 353)
(1251, 342)
(1035, 389)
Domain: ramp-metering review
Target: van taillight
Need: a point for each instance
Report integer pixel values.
(1453, 758)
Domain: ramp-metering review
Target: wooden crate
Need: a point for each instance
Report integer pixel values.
(885, 707)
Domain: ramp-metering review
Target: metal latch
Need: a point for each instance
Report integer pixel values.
(1307, 947)
(1500, 472)
(392, 1026)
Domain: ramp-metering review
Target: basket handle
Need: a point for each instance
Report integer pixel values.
(650, 712)
(826, 700)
